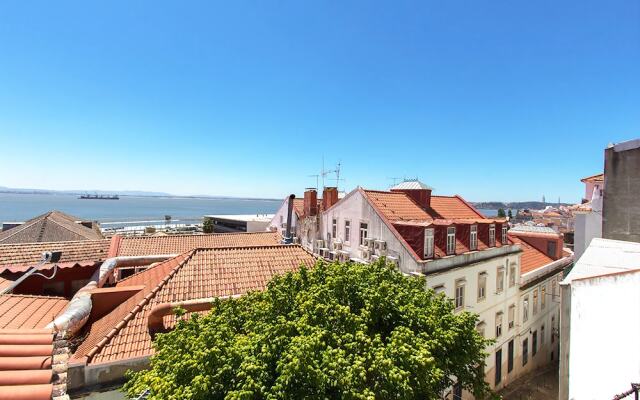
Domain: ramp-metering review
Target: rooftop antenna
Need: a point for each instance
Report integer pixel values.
(317, 178)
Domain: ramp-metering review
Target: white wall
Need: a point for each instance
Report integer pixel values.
(587, 227)
(604, 354)
(281, 217)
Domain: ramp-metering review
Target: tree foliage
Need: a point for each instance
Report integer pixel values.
(501, 213)
(334, 331)
(207, 225)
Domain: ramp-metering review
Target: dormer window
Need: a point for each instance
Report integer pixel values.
(451, 240)
(492, 235)
(473, 238)
(428, 243)
(504, 235)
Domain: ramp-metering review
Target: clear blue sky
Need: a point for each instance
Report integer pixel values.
(493, 100)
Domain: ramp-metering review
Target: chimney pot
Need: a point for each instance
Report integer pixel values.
(329, 197)
(310, 202)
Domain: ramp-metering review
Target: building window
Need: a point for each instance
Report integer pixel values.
(499, 324)
(504, 235)
(498, 366)
(364, 228)
(510, 357)
(525, 351)
(482, 286)
(480, 328)
(512, 275)
(439, 289)
(554, 288)
(500, 280)
(334, 228)
(534, 343)
(543, 296)
(428, 243)
(492, 235)
(551, 248)
(535, 301)
(553, 325)
(459, 300)
(451, 240)
(473, 238)
(525, 309)
(512, 316)
(347, 231)
(541, 335)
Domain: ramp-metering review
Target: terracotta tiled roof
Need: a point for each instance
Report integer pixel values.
(22, 255)
(593, 178)
(26, 364)
(22, 311)
(174, 244)
(531, 258)
(123, 333)
(298, 206)
(52, 226)
(450, 207)
(397, 206)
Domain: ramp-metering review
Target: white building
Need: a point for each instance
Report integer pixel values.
(600, 324)
(463, 254)
(588, 216)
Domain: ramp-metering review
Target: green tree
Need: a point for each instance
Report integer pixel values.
(510, 214)
(501, 213)
(207, 225)
(335, 331)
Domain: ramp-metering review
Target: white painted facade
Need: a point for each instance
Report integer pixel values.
(600, 350)
(279, 220)
(588, 224)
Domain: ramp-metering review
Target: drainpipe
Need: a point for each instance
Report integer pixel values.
(79, 308)
(161, 310)
(288, 239)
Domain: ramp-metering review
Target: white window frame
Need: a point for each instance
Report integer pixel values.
(492, 235)
(498, 324)
(473, 237)
(504, 235)
(459, 294)
(525, 308)
(481, 327)
(334, 227)
(543, 294)
(439, 289)
(347, 231)
(500, 280)
(512, 316)
(451, 240)
(482, 286)
(428, 242)
(512, 274)
(535, 301)
(364, 230)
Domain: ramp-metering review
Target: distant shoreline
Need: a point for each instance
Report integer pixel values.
(125, 194)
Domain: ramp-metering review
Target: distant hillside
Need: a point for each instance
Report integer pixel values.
(516, 205)
(4, 189)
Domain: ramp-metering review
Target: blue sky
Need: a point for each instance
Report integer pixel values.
(493, 100)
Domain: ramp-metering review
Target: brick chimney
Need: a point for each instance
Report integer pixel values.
(329, 197)
(310, 202)
(420, 196)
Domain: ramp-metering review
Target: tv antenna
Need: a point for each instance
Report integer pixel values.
(317, 178)
(396, 180)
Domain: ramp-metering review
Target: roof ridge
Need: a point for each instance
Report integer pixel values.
(19, 229)
(64, 242)
(138, 307)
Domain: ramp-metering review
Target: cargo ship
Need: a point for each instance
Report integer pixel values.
(99, 197)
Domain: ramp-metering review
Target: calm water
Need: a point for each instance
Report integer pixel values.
(128, 210)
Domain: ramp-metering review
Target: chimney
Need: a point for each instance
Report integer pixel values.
(310, 202)
(329, 197)
(420, 196)
(288, 238)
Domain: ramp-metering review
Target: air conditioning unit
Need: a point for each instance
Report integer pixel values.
(365, 254)
(343, 256)
(333, 255)
(380, 247)
(369, 242)
(296, 240)
(374, 257)
(324, 253)
(319, 243)
(393, 260)
(337, 245)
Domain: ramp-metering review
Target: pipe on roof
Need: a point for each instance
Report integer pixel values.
(288, 239)
(159, 311)
(79, 308)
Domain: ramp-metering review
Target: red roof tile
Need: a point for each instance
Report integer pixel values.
(22, 255)
(26, 359)
(531, 258)
(397, 206)
(49, 227)
(23, 311)
(202, 273)
(452, 207)
(593, 178)
(175, 244)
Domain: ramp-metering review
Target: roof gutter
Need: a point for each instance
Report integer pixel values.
(79, 308)
(161, 310)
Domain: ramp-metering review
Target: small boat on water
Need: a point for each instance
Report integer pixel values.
(99, 197)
